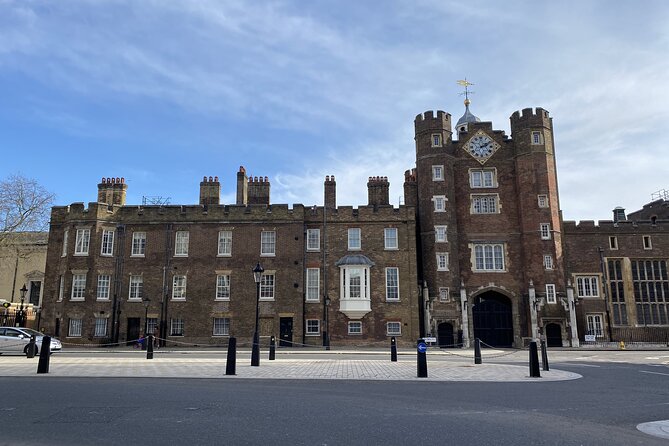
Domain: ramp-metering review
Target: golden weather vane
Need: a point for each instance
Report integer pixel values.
(465, 83)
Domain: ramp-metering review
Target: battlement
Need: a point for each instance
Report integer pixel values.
(529, 117)
(427, 121)
(610, 226)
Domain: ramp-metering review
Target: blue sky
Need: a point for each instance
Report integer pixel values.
(165, 92)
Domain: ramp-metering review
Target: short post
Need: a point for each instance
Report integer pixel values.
(30, 352)
(149, 346)
(477, 351)
(231, 363)
(272, 348)
(544, 356)
(44, 354)
(534, 361)
(421, 348)
(393, 349)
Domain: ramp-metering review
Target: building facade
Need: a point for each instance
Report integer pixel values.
(477, 250)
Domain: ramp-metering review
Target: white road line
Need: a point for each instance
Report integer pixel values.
(654, 373)
(581, 365)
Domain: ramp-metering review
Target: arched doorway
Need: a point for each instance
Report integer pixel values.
(445, 335)
(493, 322)
(553, 335)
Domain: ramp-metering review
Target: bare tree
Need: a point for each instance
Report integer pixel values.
(24, 206)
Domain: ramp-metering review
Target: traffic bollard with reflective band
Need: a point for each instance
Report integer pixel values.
(534, 361)
(272, 348)
(149, 347)
(477, 351)
(544, 356)
(393, 349)
(44, 355)
(421, 349)
(30, 352)
(231, 363)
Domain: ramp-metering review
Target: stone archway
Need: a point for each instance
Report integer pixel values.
(493, 322)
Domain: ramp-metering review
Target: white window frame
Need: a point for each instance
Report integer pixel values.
(438, 172)
(82, 242)
(435, 140)
(225, 243)
(545, 231)
(313, 285)
(484, 204)
(313, 327)
(78, 287)
(489, 257)
(444, 294)
(222, 287)
(647, 243)
(104, 287)
(313, 239)
(138, 248)
(181, 242)
(107, 243)
(354, 239)
(548, 261)
(390, 240)
(442, 261)
(75, 328)
(587, 286)
(439, 203)
(441, 233)
(268, 243)
(482, 178)
(177, 326)
(355, 328)
(595, 324)
(267, 286)
(221, 326)
(542, 200)
(179, 283)
(397, 332)
(392, 284)
(551, 294)
(66, 236)
(350, 289)
(136, 287)
(100, 327)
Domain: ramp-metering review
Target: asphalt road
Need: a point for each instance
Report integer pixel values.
(602, 408)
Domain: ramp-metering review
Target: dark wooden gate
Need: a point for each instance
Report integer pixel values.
(493, 322)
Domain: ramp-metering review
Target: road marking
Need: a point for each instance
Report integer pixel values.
(654, 373)
(655, 428)
(582, 365)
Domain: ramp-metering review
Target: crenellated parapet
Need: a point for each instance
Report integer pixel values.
(610, 227)
(529, 117)
(428, 122)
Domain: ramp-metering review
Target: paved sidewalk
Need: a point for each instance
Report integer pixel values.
(169, 366)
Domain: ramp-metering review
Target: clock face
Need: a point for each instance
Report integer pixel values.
(481, 146)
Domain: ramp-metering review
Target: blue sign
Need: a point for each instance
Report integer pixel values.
(422, 348)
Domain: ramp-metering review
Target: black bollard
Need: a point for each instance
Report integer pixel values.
(30, 352)
(544, 356)
(393, 349)
(477, 351)
(421, 356)
(149, 346)
(231, 363)
(534, 361)
(272, 348)
(44, 355)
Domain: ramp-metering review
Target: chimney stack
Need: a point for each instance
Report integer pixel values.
(210, 191)
(378, 190)
(112, 191)
(258, 190)
(410, 188)
(330, 200)
(242, 187)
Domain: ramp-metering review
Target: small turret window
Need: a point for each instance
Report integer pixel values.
(536, 138)
(436, 140)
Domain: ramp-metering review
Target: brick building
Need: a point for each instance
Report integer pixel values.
(478, 249)
(186, 271)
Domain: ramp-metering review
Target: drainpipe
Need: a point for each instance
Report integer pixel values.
(533, 312)
(464, 315)
(572, 315)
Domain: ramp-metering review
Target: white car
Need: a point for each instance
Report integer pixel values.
(16, 339)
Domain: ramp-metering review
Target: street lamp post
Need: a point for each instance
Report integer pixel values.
(326, 335)
(19, 320)
(146, 301)
(255, 353)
